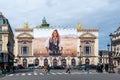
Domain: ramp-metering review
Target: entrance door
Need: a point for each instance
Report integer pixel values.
(36, 62)
(54, 62)
(45, 61)
(73, 62)
(63, 62)
(24, 62)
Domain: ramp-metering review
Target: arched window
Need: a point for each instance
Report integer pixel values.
(1, 21)
(25, 62)
(24, 48)
(63, 62)
(36, 62)
(46, 61)
(73, 62)
(87, 48)
(54, 62)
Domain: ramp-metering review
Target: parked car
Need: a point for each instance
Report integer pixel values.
(31, 66)
(57, 67)
(40, 67)
(74, 67)
(92, 66)
(20, 67)
(81, 67)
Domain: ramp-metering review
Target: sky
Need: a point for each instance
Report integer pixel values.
(101, 14)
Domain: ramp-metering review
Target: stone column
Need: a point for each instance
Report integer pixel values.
(19, 49)
(30, 49)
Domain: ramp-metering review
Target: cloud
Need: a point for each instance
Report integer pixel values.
(95, 13)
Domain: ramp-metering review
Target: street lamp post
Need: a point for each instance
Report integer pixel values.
(111, 65)
(108, 46)
(80, 54)
(111, 35)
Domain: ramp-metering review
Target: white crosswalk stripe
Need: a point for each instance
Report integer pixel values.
(11, 75)
(23, 74)
(59, 73)
(41, 74)
(35, 74)
(52, 73)
(29, 74)
(17, 74)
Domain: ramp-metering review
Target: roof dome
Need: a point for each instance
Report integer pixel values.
(118, 29)
(1, 16)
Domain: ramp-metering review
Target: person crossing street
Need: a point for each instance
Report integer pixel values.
(68, 69)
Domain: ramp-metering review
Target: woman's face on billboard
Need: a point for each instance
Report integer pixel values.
(54, 34)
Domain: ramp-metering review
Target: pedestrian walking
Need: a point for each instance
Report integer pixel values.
(87, 68)
(48, 69)
(118, 69)
(68, 69)
(45, 68)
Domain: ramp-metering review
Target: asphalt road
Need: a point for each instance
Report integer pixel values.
(60, 75)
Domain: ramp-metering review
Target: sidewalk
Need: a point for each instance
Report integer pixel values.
(2, 75)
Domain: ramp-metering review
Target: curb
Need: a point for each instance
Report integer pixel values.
(2, 75)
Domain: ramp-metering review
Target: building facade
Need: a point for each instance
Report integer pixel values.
(6, 44)
(115, 43)
(87, 44)
(35, 52)
(103, 56)
(24, 45)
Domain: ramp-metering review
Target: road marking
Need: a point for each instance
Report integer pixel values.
(35, 74)
(11, 75)
(65, 73)
(53, 73)
(17, 74)
(59, 73)
(41, 74)
(29, 74)
(23, 74)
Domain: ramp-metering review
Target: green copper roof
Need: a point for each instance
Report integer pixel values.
(44, 27)
(44, 21)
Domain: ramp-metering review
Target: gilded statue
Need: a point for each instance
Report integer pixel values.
(26, 25)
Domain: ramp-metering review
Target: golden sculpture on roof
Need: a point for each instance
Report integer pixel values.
(26, 25)
(79, 27)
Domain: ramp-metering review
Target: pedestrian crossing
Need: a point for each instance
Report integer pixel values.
(52, 73)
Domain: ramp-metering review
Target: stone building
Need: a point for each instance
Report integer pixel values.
(24, 45)
(6, 44)
(87, 44)
(30, 46)
(115, 41)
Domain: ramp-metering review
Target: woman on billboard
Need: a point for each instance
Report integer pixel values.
(53, 44)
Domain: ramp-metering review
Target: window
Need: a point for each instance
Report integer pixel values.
(24, 50)
(1, 21)
(87, 50)
(0, 28)
(0, 37)
(0, 47)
